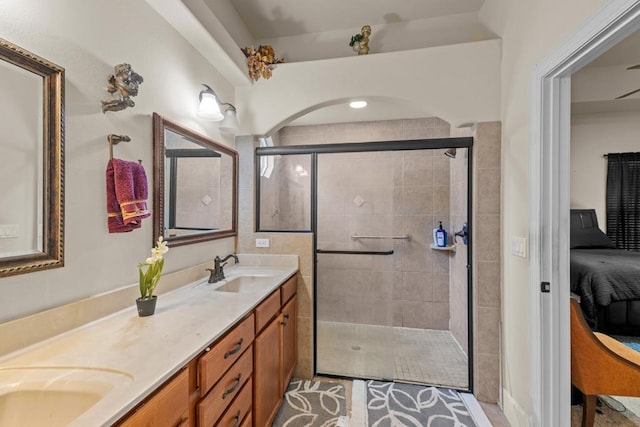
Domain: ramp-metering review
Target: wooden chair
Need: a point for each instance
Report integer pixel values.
(600, 365)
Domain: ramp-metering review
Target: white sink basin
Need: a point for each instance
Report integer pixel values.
(245, 284)
(53, 396)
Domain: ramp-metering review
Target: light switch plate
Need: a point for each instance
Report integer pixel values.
(262, 243)
(519, 246)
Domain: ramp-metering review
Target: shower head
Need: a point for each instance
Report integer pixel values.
(451, 153)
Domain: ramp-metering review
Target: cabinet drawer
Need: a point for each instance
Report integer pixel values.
(214, 403)
(168, 407)
(267, 310)
(239, 409)
(213, 364)
(247, 422)
(288, 289)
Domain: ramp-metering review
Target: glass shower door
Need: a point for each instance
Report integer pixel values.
(355, 259)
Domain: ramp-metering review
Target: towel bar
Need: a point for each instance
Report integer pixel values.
(115, 140)
(405, 237)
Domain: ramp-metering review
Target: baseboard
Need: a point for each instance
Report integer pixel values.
(515, 414)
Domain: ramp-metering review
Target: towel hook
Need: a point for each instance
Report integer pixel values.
(115, 140)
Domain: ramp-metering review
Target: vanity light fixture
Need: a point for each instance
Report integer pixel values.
(209, 109)
(230, 122)
(358, 104)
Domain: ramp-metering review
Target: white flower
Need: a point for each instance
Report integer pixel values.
(155, 263)
(161, 247)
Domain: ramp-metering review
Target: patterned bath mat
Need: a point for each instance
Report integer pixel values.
(312, 404)
(400, 405)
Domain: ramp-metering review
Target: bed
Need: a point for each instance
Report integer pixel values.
(606, 279)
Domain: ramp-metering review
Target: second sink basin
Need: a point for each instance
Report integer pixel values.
(245, 284)
(53, 396)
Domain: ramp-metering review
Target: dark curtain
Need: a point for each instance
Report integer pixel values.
(623, 200)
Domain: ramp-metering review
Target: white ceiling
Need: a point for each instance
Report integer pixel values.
(267, 19)
(303, 30)
(595, 87)
(625, 53)
(277, 20)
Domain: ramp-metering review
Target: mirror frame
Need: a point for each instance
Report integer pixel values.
(52, 255)
(160, 124)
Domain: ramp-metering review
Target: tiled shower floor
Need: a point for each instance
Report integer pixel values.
(391, 353)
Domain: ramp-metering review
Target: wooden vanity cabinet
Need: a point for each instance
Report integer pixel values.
(167, 407)
(238, 381)
(288, 343)
(224, 376)
(274, 353)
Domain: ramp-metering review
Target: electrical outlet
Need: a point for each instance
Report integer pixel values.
(262, 243)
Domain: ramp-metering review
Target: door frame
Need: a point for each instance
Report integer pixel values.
(549, 196)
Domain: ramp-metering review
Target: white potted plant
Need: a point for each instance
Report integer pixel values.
(149, 278)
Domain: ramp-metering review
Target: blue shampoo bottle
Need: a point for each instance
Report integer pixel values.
(440, 236)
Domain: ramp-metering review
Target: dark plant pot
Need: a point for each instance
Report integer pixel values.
(146, 307)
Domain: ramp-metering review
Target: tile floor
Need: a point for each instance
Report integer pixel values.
(420, 356)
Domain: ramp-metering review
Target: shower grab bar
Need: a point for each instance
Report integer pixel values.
(345, 252)
(405, 237)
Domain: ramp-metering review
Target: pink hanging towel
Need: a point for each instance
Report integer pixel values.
(130, 180)
(130, 188)
(114, 216)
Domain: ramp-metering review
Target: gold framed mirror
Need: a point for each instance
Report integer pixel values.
(195, 185)
(31, 162)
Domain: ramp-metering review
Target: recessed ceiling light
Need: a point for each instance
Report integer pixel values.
(358, 104)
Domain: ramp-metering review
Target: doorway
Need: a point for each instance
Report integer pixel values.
(549, 235)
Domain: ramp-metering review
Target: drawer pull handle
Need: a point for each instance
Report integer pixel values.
(284, 322)
(237, 419)
(286, 316)
(233, 388)
(235, 349)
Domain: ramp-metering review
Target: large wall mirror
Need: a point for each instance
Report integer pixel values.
(31, 162)
(195, 185)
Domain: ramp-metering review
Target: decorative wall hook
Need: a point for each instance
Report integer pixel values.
(122, 84)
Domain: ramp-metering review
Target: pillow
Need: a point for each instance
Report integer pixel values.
(590, 238)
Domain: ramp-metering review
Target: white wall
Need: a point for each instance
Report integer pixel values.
(88, 38)
(593, 135)
(457, 83)
(529, 31)
(448, 30)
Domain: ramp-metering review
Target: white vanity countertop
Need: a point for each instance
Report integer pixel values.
(150, 349)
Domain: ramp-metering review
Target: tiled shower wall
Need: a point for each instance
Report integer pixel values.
(486, 262)
(384, 193)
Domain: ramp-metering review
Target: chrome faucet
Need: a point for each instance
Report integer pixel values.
(217, 272)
